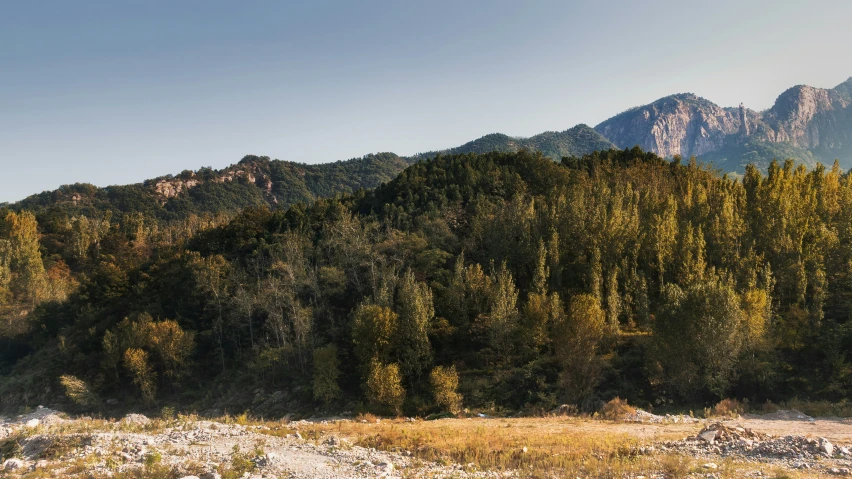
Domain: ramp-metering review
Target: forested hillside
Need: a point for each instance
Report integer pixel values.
(254, 181)
(577, 141)
(501, 280)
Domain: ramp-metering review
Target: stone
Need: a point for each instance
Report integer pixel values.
(711, 465)
(211, 475)
(190, 477)
(708, 436)
(139, 419)
(384, 468)
(32, 423)
(826, 446)
(12, 464)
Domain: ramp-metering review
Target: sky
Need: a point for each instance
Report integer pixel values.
(118, 91)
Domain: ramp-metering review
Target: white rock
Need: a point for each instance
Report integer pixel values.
(384, 468)
(826, 446)
(33, 423)
(711, 465)
(12, 464)
(189, 477)
(708, 436)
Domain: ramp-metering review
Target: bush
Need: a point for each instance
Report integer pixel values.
(729, 408)
(384, 387)
(79, 392)
(445, 383)
(617, 409)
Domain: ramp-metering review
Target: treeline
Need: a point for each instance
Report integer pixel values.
(501, 280)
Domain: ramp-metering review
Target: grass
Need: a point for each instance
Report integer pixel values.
(537, 447)
(552, 447)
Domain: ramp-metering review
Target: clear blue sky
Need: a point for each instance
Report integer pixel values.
(117, 91)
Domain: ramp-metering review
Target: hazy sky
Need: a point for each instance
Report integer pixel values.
(117, 91)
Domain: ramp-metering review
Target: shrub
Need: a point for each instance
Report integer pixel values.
(616, 409)
(728, 407)
(79, 392)
(445, 383)
(384, 387)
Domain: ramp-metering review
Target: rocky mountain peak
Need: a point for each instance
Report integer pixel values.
(804, 120)
(683, 124)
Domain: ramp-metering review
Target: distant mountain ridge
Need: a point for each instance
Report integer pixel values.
(809, 124)
(253, 181)
(576, 141)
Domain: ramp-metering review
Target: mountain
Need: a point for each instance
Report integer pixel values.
(805, 123)
(254, 181)
(577, 141)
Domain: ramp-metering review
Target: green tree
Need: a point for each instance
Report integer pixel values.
(416, 311)
(698, 335)
(326, 372)
(577, 341)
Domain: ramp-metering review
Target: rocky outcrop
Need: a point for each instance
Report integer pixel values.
(676, 125)
(803, 117)
(800, 113)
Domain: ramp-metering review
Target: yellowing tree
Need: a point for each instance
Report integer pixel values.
(23, 256)
(373, 330)
(384, 387)
(445, 384)
(144, 377)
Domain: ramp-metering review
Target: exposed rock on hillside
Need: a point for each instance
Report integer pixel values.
(677, 125)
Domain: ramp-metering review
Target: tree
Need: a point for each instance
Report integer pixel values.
(24, 257)
(373, 330)
(416, 311)
(445, 383)
(698, 336)
(577, 341)
(501, 322)
(384, 387)
(326, 371)
(144, 377)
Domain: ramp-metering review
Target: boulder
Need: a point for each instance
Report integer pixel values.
(708, 436)
(13, 464)
(826, 446)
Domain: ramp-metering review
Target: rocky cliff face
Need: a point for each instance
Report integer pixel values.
(805, 118)
(677, 125)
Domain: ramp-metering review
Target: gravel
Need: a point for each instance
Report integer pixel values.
(198, 448)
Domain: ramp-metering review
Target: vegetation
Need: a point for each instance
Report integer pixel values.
(576, 141)
(501, 281)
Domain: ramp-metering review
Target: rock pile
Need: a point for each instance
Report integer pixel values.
(798, 452)
(644, 416)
